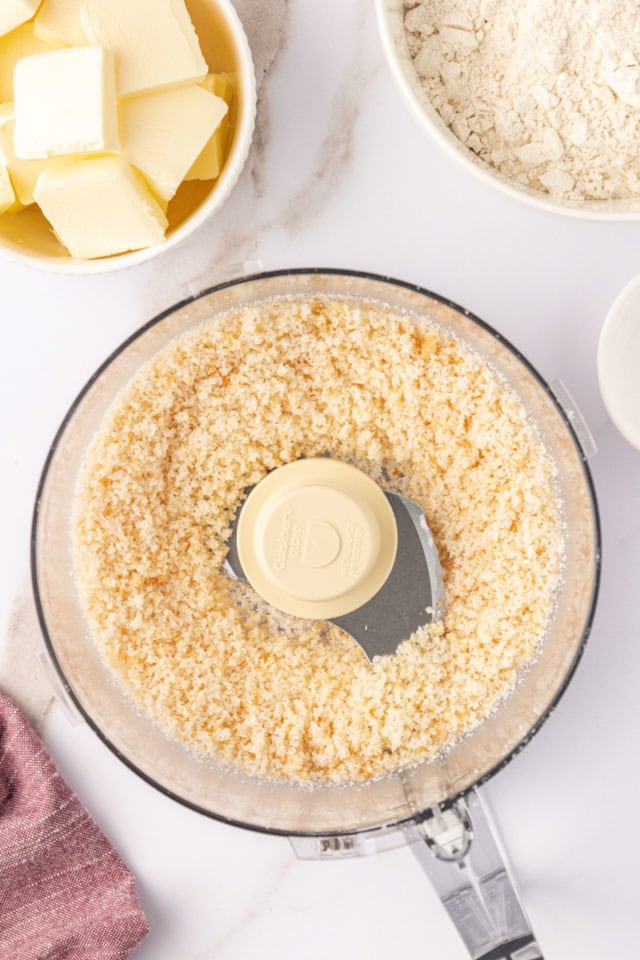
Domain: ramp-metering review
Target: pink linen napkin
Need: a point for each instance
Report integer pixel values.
(65, 894)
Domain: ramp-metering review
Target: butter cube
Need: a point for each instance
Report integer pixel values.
(24, 173)
(13, 47)
(13, 13)
(163, 133)
(100, 207)
(154, 42)
(220, 84)
(209, 164)
(65, 102)
(59, 20)
(7, 196)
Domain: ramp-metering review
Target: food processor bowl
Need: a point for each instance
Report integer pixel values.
(433, 806)
(277, 806)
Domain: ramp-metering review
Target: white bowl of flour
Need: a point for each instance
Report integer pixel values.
(538, 98)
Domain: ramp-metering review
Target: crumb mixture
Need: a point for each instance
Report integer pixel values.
(240, 395)
(546, 91)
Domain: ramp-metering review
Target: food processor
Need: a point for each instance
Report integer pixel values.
(434, 806)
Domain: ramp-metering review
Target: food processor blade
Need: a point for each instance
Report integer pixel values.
(412, 595)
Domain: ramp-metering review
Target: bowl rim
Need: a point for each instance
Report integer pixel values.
(418, 816)
(219, 194)
(438, 131)
(618, 315)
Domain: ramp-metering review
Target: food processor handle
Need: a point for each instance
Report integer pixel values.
(463, 858)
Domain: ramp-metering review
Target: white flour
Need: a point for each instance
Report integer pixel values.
(546, 91)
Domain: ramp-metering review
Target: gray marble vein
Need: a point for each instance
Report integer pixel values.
(250, 213)
(336, 149)
(252, 910)
(267, 28)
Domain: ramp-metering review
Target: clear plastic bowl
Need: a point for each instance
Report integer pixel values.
(391, 24)
(280, 807)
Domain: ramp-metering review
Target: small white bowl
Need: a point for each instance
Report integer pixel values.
(394, 40)
(214, 20)
(619, 363)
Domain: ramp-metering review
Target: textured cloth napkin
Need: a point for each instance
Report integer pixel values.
(65, 894)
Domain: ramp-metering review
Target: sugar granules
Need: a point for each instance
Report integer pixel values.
(214, 412)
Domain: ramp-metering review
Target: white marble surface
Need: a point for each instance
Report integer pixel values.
(340, 176)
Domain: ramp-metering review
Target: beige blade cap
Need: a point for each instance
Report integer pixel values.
(317, 538)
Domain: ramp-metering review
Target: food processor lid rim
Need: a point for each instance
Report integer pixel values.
(330, 272)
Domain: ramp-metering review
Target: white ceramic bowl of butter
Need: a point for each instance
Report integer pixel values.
(29, 239)
(390, 15)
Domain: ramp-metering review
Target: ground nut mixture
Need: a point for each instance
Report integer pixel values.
(546, 91)
(211, 415)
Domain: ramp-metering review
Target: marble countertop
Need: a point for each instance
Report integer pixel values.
(340, 175)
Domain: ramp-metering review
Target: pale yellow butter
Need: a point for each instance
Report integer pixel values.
(59, 20)
(7, 195)
(65, 103)
(220, 84)
(209, 164)
(13, 13)
(13, 47)
(154, 41)
(100, 207)
(163, 133)
(24, 173)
